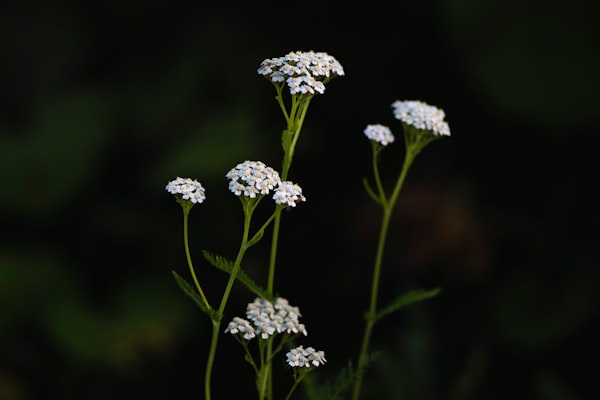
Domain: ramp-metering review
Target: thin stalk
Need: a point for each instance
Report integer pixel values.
(186, 213)
(294, 124)
(265, 388)
(217, 324)
(273, 255)
(297, 381)
(388, 207)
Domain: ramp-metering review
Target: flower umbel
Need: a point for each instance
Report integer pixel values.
(289, 194)
(379, 133)
(309, 357)
(252, 178)
(304, 72)
(267, 319)
(189, 189)
(422, 116)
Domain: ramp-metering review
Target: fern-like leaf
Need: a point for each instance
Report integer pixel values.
(227, 266)
(192, 294)
(414, 296)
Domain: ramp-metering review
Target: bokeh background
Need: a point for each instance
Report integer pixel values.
(102, 103)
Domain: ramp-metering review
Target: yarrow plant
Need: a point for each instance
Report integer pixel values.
(272, 326)
(421, 124)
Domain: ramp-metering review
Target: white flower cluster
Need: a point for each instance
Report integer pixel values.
(266, 319)
(288, 193)
(251, 178)
(304, 72)
(422, 116)
(379, 133)
(301, 357)
(189, 189)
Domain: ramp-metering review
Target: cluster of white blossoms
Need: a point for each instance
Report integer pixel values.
(422, 116)
(288, 193)
(251, 178)
(301, 357)
(304, 72)
(266, 319)
(379, 133)
(189, 189)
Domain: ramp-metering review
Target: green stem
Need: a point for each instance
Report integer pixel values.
(273, 255)
(294, 126)
(299, 121)
(264, 383)
(248, 210)
(211, 357)
(388, 207)
(297, 381)
(186, 213)
(376, 147)
(279, 97)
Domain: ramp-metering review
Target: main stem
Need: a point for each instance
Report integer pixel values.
(267, 376)
(294, 124)
(217, 323)
(388, 208)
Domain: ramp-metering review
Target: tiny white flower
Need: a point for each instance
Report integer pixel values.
(316, 357)
(295, 357)
(188, 189)
(278, 76)
(379, 133)
(240, 325)
(422, 116)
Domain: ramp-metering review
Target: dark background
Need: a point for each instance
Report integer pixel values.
(102, 103)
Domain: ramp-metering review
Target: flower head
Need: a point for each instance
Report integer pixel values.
(265, 319)
(379, 133)
(309, 357)
(252, 178)
(188, 189)
(304, 72)
(288, 193)
(422, 116)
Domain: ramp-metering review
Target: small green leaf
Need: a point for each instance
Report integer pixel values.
(192, 294)
(226, 265)
(414, 296)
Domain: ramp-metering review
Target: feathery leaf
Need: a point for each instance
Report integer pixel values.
(226, 265)
(192, 294)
